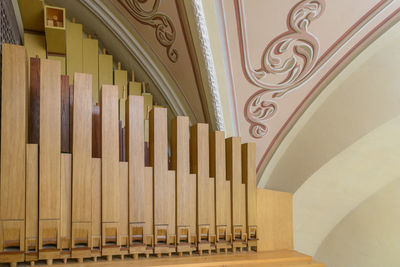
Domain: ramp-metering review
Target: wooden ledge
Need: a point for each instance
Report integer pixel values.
(282, 258)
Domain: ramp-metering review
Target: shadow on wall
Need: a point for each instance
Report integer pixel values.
(369, 236)
(362, 97)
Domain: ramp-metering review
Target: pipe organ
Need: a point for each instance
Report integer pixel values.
(67, 194)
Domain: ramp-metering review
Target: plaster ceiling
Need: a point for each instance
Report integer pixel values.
(281, 54)
(268, 60)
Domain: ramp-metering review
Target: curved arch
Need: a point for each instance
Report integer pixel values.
(127, 47)
(344, 182)
(371, 229)
(362, 97)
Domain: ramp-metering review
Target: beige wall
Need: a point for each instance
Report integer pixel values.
(363, 96)
(344, 183)
(343, 150)
(369, 236)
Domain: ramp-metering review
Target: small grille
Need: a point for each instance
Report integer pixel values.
(8, 24)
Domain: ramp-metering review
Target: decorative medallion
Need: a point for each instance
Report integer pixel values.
(287, 62)
(165, 30)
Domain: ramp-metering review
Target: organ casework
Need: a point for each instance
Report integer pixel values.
(67, 192)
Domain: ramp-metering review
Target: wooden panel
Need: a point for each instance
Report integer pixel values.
(199, 163)
(90, 64)
(105, 70)
(110, 154)
(274, 220)
(171, 204)
(148, 202)
(135, 88)
(60, 58)
(228, 210)
(74, 49)
(185, 183)
(65, 115)
(96, 132)
(159, 162)
(14, 133)
(211, 207)
(49, 158)
(96, 202)
(234, 174)
(66, 183)
(34, 105)
(82, 151)
(281, 258)
(32, 200)
(218, 171)
(135, 156)
(250, 180)
(35, 44)
(123, 204)
(50, 139)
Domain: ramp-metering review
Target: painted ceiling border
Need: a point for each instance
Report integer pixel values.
(146, 61)
(372, 35)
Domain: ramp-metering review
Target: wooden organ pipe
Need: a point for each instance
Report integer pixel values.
(185, 186)
(50, 160)
(13, 148)
(72, 196)
(163, 184)
(109, 171)
(238, 203)
(199, 162)
(222, 191)
(81, 173)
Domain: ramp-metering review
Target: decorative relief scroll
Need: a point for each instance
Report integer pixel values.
(165, 29)
(288, 61)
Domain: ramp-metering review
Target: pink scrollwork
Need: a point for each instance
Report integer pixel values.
(287, 62)
(259, 110)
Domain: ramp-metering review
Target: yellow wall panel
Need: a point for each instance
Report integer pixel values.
(135, 88)
(148, 103)
(60, 58)
(121, 79)
(32, 14)
(74, 49)
(105, 70)
(90, 61)
(55, 29)
(35, 44)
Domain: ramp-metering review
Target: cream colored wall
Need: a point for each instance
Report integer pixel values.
(343, 183)
(363, 96)
(369, 236)
(344, 149)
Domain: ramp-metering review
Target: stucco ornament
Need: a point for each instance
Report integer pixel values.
(287, 62)
(165, 29)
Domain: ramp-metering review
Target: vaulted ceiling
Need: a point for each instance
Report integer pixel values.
(249, 67)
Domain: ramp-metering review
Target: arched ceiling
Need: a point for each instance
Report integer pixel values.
(282, 53)
(249, 67)
(344, 148)
(362, 97)
(154, 39)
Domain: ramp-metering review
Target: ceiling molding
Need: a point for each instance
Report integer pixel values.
(207, 57)
(156, 72)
